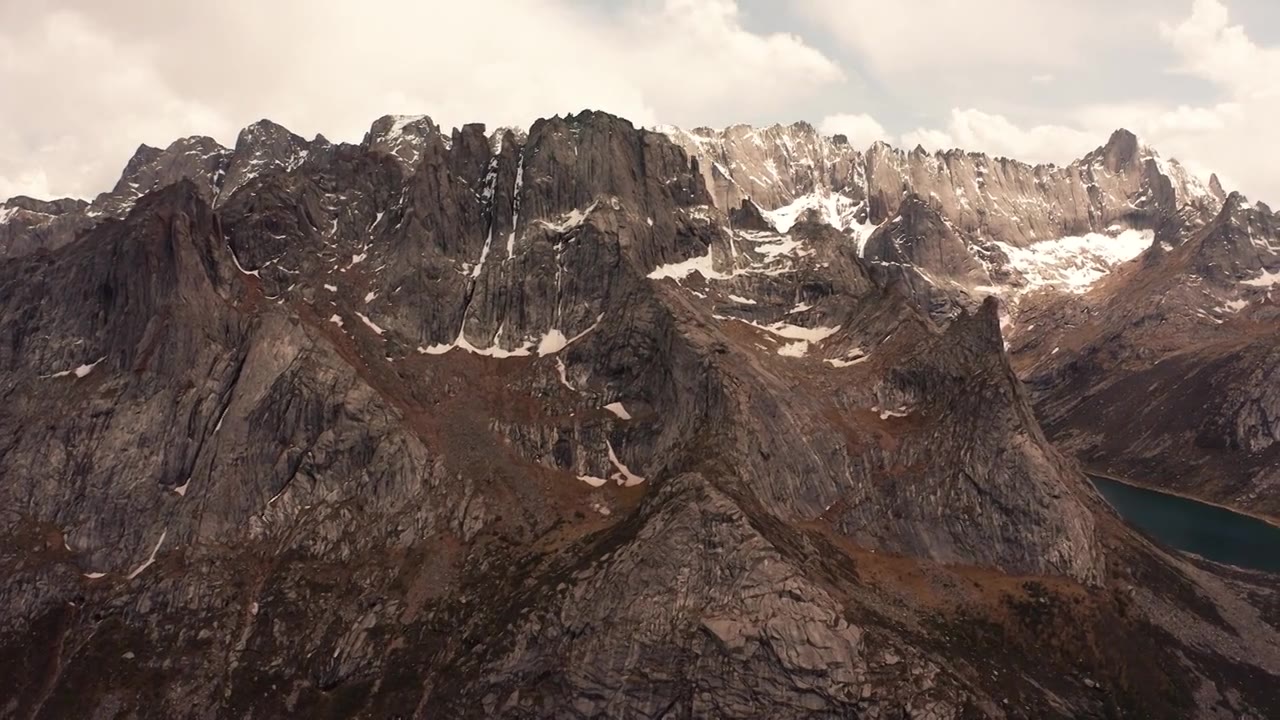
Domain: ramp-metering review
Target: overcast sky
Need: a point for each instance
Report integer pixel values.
(83, 82)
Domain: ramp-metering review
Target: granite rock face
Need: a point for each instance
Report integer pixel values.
(524, 425)
(27, 224)
(993, 199)
(984, 209)
(1158, 374)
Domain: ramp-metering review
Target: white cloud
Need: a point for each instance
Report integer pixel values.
(1233, 136)
(1212, 49)
(900, 37)
(92, 80)
(959, 52)
(928, 139)
(861, 129)
(34, 184)
(995, 134)
(77, 103)
(696, 61)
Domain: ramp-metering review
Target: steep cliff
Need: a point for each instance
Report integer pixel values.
(520, 425)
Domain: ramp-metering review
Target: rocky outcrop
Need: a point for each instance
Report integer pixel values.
(773, 166)
(28, 225)
(918, 236)
(747, 631)
(984, 209)
(921, 249)
(988, 198)
(401, 136)
(265, 147)
(748, 216)
(215, 171)
(201, 160)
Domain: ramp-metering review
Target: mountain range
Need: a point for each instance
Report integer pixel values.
(590, 420)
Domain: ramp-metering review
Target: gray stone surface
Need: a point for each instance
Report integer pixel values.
(334, 439)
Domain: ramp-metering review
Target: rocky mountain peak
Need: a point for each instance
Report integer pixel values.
(577, 159)
(264, 134)
(1215, 186)
(401, 136)
(143, 156)
(516, 136)
(200, 159)
(262, 147)
(1122, 151)
(774, 165)
(1235, 203)
(391, 125)
(523, 426)
(985, 207)
(1241, 243)
(44, 207)
(921, 245)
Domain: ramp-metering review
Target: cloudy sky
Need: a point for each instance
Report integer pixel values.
(83, 82)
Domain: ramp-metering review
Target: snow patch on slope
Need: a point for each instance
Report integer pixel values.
(1267, 279)
(802, 337)
(624, 476)
(851, 358)
(484, 255)
(1074, 264)
(150, 559)
(79, 372)
(462, 343)
(618, 409)
(570, 220)
(369, 323)
(797, 332)
(552, 342)
(834, 209)
(799, 348)
(700, 264)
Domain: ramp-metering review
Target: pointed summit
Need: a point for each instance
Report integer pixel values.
(261, 147)
(143, 156)
(1215, 187)
(1121, 151)
(265, 131)
(1122, 140)
(402, 136)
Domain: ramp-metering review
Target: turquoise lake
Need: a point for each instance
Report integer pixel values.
(1206, 530)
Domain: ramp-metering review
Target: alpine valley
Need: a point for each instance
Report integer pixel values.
(596, 421)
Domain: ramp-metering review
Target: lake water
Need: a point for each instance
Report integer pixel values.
(1206, 530)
